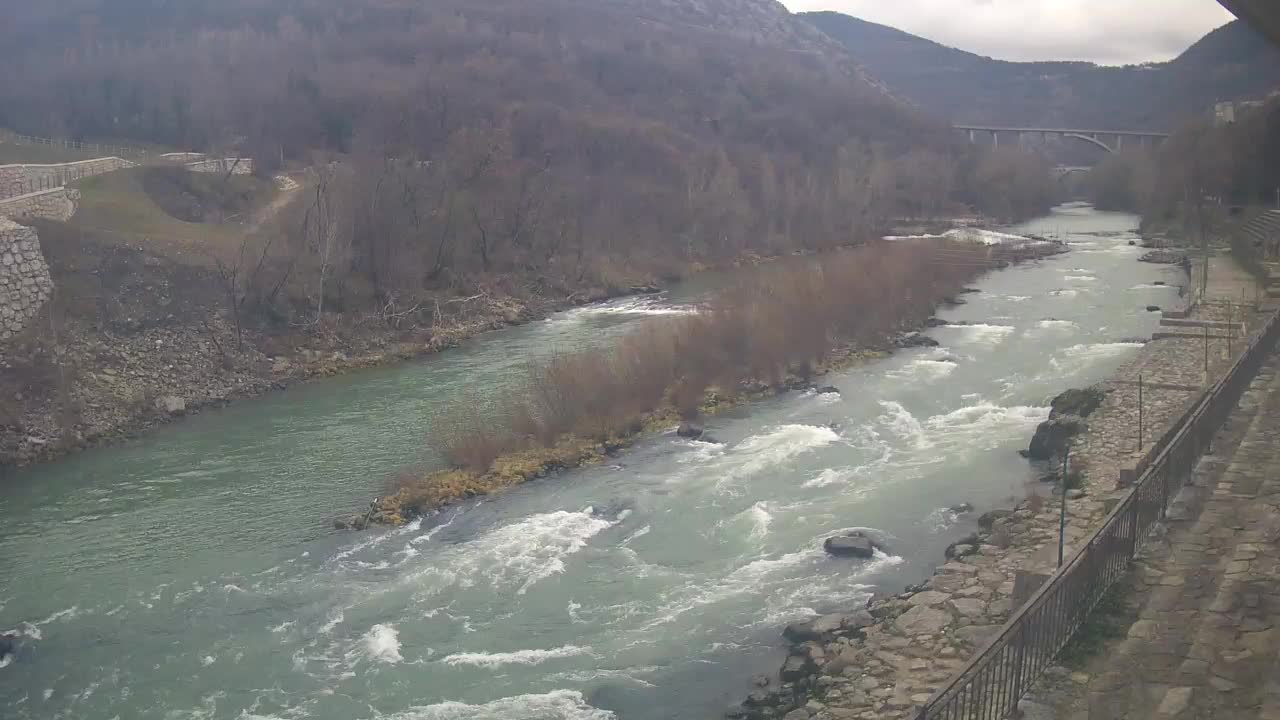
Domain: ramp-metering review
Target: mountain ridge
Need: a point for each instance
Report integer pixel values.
(1229, 63)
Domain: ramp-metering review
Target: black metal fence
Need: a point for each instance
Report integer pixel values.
(997, 677)
(49, 177)
(125, 151)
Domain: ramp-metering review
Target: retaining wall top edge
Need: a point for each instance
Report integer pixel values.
(65, 164)
(27, 196)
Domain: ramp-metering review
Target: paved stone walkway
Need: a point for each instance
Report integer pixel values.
(1206, 642)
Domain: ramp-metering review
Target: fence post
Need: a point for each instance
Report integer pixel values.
(1139, 412)
(1231, 328)
(1206, 353)
(1062, 512)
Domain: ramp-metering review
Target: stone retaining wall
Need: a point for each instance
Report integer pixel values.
(237, 166)
(23, 179)
(56, 204)
(25, 284)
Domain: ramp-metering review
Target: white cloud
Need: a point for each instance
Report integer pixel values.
(1104, 31)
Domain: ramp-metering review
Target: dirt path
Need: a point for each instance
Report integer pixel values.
(288, 191)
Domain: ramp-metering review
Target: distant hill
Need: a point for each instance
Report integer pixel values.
(1230, 63)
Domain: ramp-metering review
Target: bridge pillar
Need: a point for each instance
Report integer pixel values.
(995, 138)
(971, 140)
(1119, 142)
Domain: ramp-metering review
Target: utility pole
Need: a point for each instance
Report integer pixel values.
(1206, 354)
(1204, 245)
(1230, 328)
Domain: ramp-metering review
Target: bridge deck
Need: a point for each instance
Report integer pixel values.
(1063, 131)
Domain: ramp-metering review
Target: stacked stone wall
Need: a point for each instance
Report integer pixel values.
(25, 284)
(237, 166)
(56, 204)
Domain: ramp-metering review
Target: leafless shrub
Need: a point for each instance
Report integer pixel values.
(778, 321)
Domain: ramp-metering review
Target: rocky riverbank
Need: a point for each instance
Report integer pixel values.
(885, 660)
(119, 382)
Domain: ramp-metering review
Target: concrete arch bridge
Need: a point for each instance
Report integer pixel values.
(1112, 141)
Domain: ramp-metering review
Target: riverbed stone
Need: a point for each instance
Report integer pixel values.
(815, 629)
(969, 607)
(690, 430)
(795, 668)
(928, 597)
(171, 405)
(923, 620)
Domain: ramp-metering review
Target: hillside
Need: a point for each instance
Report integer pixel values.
(1232, 62)
(656, 96)
(465, 165)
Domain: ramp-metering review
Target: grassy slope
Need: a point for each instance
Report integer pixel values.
(117, 205)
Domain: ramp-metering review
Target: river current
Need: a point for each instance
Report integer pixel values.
(194, 573)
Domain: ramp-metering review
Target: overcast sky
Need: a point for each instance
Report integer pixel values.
(1112, 32)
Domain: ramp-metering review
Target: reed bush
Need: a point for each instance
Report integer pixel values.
(780, 321)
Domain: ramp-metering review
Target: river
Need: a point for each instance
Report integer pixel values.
(193, 573)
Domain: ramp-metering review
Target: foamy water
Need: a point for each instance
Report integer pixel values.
(382, 643)
(637, 306)
(979, 333)
(973, 235)
(518, 657)
(554, 705)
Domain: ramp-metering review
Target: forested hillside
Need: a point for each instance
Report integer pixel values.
(556, 139)
(1230, 63)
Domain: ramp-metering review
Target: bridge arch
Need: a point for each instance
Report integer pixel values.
(1061, 173)
(1090, 139)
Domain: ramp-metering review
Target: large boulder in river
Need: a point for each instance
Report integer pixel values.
(854, 544)
(1080, 402)
(1053, 437)
(1066, 420)
(7, 646)
(693, 431)
(823, 628)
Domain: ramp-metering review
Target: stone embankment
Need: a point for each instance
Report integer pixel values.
(25, 284)
(161, 368)
(885, 663)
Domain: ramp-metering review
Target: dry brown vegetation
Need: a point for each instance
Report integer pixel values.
(773, 330)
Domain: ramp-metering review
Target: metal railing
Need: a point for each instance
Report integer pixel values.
(51, 177)
(991, 684)
(120, 150)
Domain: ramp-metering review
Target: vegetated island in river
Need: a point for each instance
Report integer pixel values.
(779, 328)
